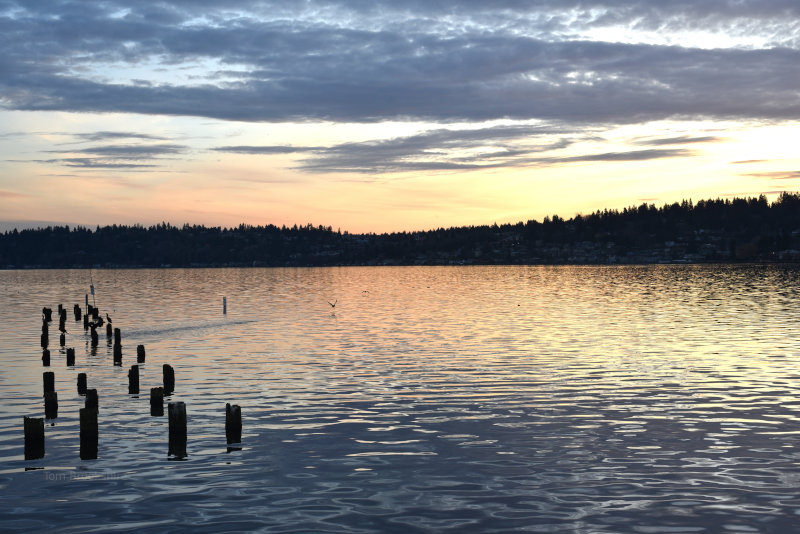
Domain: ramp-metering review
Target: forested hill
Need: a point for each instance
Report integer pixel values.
(748, 229)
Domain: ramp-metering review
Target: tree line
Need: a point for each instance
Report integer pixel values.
(738, 229)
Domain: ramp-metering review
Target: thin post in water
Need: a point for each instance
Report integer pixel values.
(45, 358)
(139, 353)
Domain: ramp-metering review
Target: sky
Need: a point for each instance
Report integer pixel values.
(381, 116)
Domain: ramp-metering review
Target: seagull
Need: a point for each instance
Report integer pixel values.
(333, 304)
(108, 319)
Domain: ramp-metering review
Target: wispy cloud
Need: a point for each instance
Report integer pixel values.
(776, 175)
(679, 140)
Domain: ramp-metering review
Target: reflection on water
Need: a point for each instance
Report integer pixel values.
(492, 399)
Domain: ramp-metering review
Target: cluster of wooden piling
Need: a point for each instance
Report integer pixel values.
(88, 415)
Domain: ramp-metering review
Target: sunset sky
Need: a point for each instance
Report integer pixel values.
(375, 116)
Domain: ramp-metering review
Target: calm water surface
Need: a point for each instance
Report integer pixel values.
(463, 399)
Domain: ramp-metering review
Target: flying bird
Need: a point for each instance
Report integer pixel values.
(333, 304)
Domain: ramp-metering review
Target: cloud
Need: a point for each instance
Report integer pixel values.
(453, 149)
(776, 175)
(406, 60)
(12, 194)
(679, 140)
(634, 155)
(107, 135)
(119, 157)
(96, 163)
(265, 150)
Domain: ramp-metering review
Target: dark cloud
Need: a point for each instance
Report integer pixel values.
(371, 61)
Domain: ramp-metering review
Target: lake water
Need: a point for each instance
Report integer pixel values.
(430, 399)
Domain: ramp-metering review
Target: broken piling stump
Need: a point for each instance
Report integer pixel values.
(76, 311)
(47, 313)
(45, 358)
(49, 381)
(139, 353)
(70, 357)
(108, 330)
(81, 383)
(177, 429)
(169, 379)
(157, 401)
(89, 433)
(133, 380)
(117, 354)
(62, 340)
(117, 336)
(92, 400)
(34, 438)
(95, 340)
(233, 423)
(51, 405)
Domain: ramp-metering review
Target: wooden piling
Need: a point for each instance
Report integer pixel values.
(86, 322)
(95, 340)
(45, 340)
(51, 405)
(89, 433)
(177, 429)
(169, 379)
(117, 336)
(34, 438)
(49, 380)
(70, 357)
(48, 314)
(92, 401)
(157, 401)
(117, 354)
(133, 380)
(233, 423)
(95, 313)
(81, 383)
(62, 340)
(76, 311)
(60, 309)
(139, 353)
(45, 358)
(62, 314)
(108, 330)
